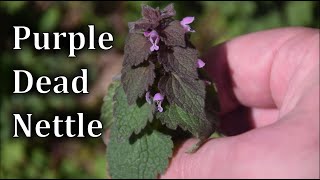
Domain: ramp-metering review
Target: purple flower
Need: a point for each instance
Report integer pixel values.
(148, 97)
(185, 23)
(160, 109)
(158, 98)
(200, 63)
(153, 38)
(146, 33)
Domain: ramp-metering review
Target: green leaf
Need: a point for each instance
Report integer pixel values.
(136, 50)
(182, 61)
(130, 118)
(142, 157)
(174, 116)
(174, 34)
(107, 106)
(136, 81)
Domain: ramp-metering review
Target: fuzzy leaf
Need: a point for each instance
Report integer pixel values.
(174, 116)
(182, 61)
(107, 106)
(168, 11)
(150, 13)
(129, 118)
(190, 95)
(141, 25)
(136, 50)
(142, 157)
(136, 81)
(174, 34)
(187, 93)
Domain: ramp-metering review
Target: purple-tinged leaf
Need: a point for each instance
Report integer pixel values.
(168, 11)
(187, 93)
(141, 25)
(174, 116)
(136, 81)
(174, 35)
(150, 13)
(182, 61)
(136, 50)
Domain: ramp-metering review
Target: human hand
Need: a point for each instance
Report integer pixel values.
(268, 86)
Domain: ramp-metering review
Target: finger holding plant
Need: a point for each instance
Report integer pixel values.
(162, 87)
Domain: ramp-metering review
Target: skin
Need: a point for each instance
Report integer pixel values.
(268, 87)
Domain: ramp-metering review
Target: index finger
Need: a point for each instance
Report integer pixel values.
(242, 67)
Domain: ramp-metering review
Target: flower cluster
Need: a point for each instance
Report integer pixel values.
(161, 35)
(154, 39)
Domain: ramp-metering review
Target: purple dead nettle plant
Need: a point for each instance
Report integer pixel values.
(156, 22)
(163, 86)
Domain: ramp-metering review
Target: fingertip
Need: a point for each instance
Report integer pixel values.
(241, 67)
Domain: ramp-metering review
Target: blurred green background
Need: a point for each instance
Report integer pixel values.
(85, 158)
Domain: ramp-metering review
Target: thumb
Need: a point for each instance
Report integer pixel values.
(205, 163)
